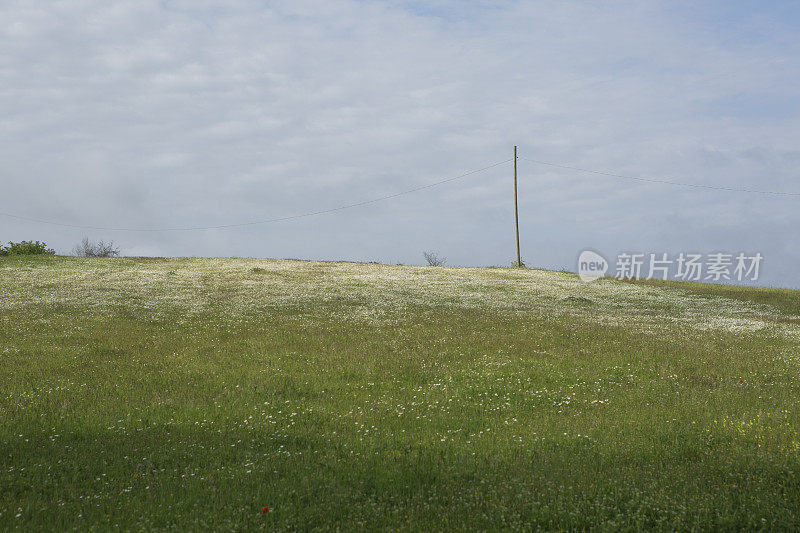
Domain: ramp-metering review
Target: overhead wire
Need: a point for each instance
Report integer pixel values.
(661, 181)
(402, 193)
(266, 221)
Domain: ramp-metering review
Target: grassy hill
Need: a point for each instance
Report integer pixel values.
(188, 394)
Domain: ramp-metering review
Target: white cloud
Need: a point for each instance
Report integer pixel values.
(147, 113)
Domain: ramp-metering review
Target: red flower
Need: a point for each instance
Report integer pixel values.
(741, 381)
(265, 510)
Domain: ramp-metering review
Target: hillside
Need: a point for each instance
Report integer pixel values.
(190, 393)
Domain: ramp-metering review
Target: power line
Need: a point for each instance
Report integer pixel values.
(401, 193)
(662, 181)
(267, 221)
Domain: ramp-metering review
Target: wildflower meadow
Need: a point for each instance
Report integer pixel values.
(231, 394)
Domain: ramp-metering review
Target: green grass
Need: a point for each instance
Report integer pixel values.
(187, 394)
(785, 301)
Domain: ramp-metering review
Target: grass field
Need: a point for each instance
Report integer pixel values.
(187, 394)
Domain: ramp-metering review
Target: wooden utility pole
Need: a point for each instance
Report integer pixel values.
(516, 210)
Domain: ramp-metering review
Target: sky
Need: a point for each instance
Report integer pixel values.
(146, 115)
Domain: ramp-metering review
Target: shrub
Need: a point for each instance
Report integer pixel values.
(433, 259)
(26, 248)
(88, 248)
(520, 264)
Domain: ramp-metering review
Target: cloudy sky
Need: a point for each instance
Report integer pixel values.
(148, 114)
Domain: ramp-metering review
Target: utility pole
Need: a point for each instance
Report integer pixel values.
(516, 210)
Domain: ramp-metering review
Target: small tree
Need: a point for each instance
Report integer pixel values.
(433, 259)
(87, 248)
(26, 248)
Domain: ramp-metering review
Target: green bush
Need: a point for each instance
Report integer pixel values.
(26, 248)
